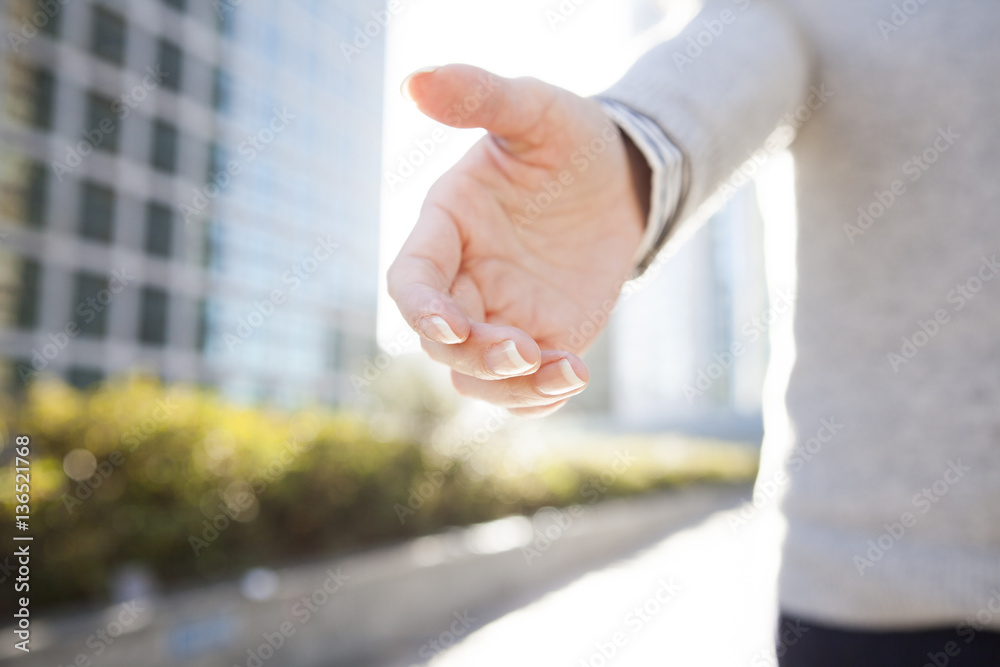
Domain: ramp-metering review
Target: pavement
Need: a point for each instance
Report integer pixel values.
(702, 597)
(651, 580)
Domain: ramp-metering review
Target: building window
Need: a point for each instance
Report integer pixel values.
(225, 17)
(81, 377)
(211, 255)
(28, 95)
(25, 194)
(334, 350)
(164, 149)
(216, 161)
(97, 209)
(170, 63)
(201, 335)
(36, 194)
(23, 369)
(90, 304)
(153, 316)
(41, 114)
(159, 229)
(44, 15)
(102, 123)
(221, 90)
(27, 303)
(108, 35)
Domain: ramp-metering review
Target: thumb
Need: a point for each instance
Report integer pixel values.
(464, 96)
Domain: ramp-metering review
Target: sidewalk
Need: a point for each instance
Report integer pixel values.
(403, 604)
(703, 597)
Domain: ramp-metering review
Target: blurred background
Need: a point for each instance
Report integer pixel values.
(238, 453)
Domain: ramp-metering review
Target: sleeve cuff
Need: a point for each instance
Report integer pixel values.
(666, 163)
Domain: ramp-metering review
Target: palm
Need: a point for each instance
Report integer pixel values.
(539, 254)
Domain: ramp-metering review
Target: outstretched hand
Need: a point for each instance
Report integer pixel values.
(521, 248)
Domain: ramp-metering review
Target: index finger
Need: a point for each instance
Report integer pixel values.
(421, 276)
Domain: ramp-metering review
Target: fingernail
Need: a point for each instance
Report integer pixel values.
(436, 328)
(557, 378)
(404, 88)
(504, 359)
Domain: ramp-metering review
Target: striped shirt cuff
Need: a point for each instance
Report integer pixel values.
(666, 163)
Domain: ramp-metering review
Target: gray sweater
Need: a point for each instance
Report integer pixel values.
(894, 522)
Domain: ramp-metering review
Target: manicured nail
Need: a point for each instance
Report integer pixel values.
(436, 328)
(404, 88)
(558, 378)
(504, 359)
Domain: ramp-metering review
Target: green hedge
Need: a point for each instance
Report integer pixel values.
(197, 488)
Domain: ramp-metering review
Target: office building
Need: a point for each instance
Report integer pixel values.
(191, 188)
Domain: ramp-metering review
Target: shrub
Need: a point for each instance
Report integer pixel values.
(196, 488)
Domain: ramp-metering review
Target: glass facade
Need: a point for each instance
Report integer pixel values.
(209, 173)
